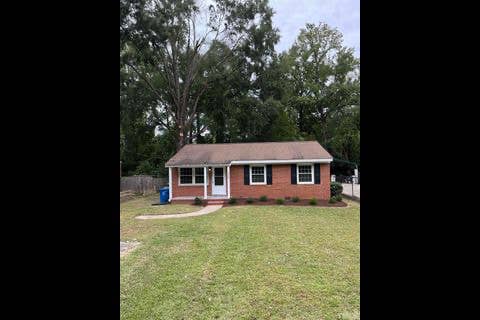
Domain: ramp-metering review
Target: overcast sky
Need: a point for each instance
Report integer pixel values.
(292, 15)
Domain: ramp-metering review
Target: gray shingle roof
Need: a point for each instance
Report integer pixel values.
(224, 153)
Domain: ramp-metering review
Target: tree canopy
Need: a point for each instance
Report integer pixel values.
(192, 72)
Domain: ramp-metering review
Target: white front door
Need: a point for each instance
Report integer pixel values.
(219, 185)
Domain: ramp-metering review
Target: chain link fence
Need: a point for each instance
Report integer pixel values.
(351, 185)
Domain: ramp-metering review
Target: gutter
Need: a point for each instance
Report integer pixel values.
(239, 162)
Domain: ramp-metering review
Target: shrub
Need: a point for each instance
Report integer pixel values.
(332, 200)
(336, 188)
(338, 197)
(263, 198)
(144, 168)
(280, 201)
(232, 201)
(295, 199)
(313, 201)
(197, 201)
(249, 200)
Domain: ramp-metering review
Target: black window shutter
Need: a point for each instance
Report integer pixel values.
(269, 174)
(316, 173)
(294, 173)
(246, 174)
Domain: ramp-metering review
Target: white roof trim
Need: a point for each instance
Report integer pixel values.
(198, 165)
(234, 162)
(281, 161)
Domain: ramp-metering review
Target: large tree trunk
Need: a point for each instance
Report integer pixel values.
(181, 137)
(198, 133)
(190, 135)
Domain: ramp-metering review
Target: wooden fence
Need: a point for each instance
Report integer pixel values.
(142, 184)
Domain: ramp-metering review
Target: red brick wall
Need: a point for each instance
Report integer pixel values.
(281, 186)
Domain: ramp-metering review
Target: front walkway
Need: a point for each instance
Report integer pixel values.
(201, 212)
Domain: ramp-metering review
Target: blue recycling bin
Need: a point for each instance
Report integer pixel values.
(164, 195)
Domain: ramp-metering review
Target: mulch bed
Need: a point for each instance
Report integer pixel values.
(302, 202)
(186, 202)
(271, 202)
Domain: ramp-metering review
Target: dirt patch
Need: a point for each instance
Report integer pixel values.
(127, 195)
(302, 202)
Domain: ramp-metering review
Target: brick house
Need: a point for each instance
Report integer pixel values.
(242, 170)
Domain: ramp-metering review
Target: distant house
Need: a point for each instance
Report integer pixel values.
(242, 170)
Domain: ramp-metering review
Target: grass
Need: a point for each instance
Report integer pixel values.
(255, 262)
(131, 228)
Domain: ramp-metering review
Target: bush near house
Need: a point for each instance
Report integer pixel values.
(198, 201)
(263, 198)
(295, 199)
(280, 201)
(232, 201)
(332, 200)
(249, 200)
(313, 201)
(336, 188)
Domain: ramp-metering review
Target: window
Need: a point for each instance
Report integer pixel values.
(257, 175)
(186, 176)
(191, 176)
(219, 176)
(305, 174)
(199, 175)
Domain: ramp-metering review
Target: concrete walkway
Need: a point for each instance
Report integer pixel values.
(203, 211)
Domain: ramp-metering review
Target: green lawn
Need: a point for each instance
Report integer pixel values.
(131, 228)
(265, 262)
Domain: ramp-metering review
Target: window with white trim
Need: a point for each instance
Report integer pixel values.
(305, 174)
(198, 176)
(191, 176)
(257, 175)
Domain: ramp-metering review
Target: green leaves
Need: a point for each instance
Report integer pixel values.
(321, 80)
(221, 81)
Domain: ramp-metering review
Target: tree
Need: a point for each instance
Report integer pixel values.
(242, 82)
(345, 143)
(197, 73)
(283, 127)
(322, 85)
(215, 109)
(165, 45)
(135, 130)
